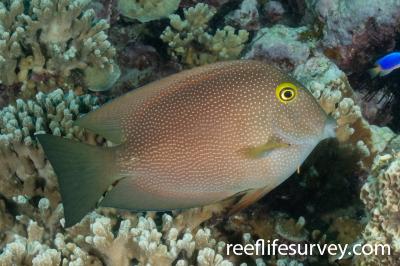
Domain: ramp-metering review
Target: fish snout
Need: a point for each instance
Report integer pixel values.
(326, 129)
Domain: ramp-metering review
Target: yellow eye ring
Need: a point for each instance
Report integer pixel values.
(286, 92)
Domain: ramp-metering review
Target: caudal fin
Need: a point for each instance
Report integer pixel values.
(84, 173)
(374, 72)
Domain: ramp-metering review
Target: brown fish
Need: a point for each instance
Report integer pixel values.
(191, 139)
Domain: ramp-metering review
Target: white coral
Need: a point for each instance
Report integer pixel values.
(50, 38)
(185, 35)
(381, 196)
(22, 162)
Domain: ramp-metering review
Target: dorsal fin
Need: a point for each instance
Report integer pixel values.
(108, 121)
(105, 124)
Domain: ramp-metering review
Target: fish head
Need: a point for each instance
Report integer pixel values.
(298, 118)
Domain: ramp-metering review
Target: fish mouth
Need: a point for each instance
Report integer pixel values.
(328, 131)
(329, 128)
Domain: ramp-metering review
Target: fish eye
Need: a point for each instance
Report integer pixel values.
(286, 92)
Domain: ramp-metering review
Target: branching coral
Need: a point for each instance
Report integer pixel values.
(189, 40)
(22, 163)
(30, 202)
(53, 113)
(30, 250)
(147, 245)
(41, 42)
(381, 196)
(137, 238)
(145, 10)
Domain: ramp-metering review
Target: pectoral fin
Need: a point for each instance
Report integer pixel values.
(249, 198)
(263, 149)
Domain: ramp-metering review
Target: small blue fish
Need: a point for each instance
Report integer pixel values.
(385, 65)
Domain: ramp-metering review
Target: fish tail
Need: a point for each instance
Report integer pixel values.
(374, 72)
(84, 172)
(386, 72)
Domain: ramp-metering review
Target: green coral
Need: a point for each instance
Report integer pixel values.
(189, 40)
(145, 10)
(42, 42)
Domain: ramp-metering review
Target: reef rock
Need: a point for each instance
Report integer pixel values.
(355, 30)
(281, 45)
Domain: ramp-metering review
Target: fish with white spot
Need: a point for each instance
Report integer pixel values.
(191, 139)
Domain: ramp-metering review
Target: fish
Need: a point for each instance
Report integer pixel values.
(385, 65)
(228, 129)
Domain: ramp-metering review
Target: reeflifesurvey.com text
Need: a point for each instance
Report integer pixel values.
(262, 247)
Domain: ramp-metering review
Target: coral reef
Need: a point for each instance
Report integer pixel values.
(376, 106)
(63, 48)
(41, 42)
(139, 64)
(29, 199)
(189, 41)
(273, 11)
(246, 17)
(258, 224)
(145, 10)
(381, 196)
(280, 45)
(330, 87)
(353, 31)
(138, 237)
(23, 168)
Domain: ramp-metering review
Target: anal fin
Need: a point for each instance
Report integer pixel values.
(249, 198)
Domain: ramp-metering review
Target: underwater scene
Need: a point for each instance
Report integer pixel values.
(199, 132)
